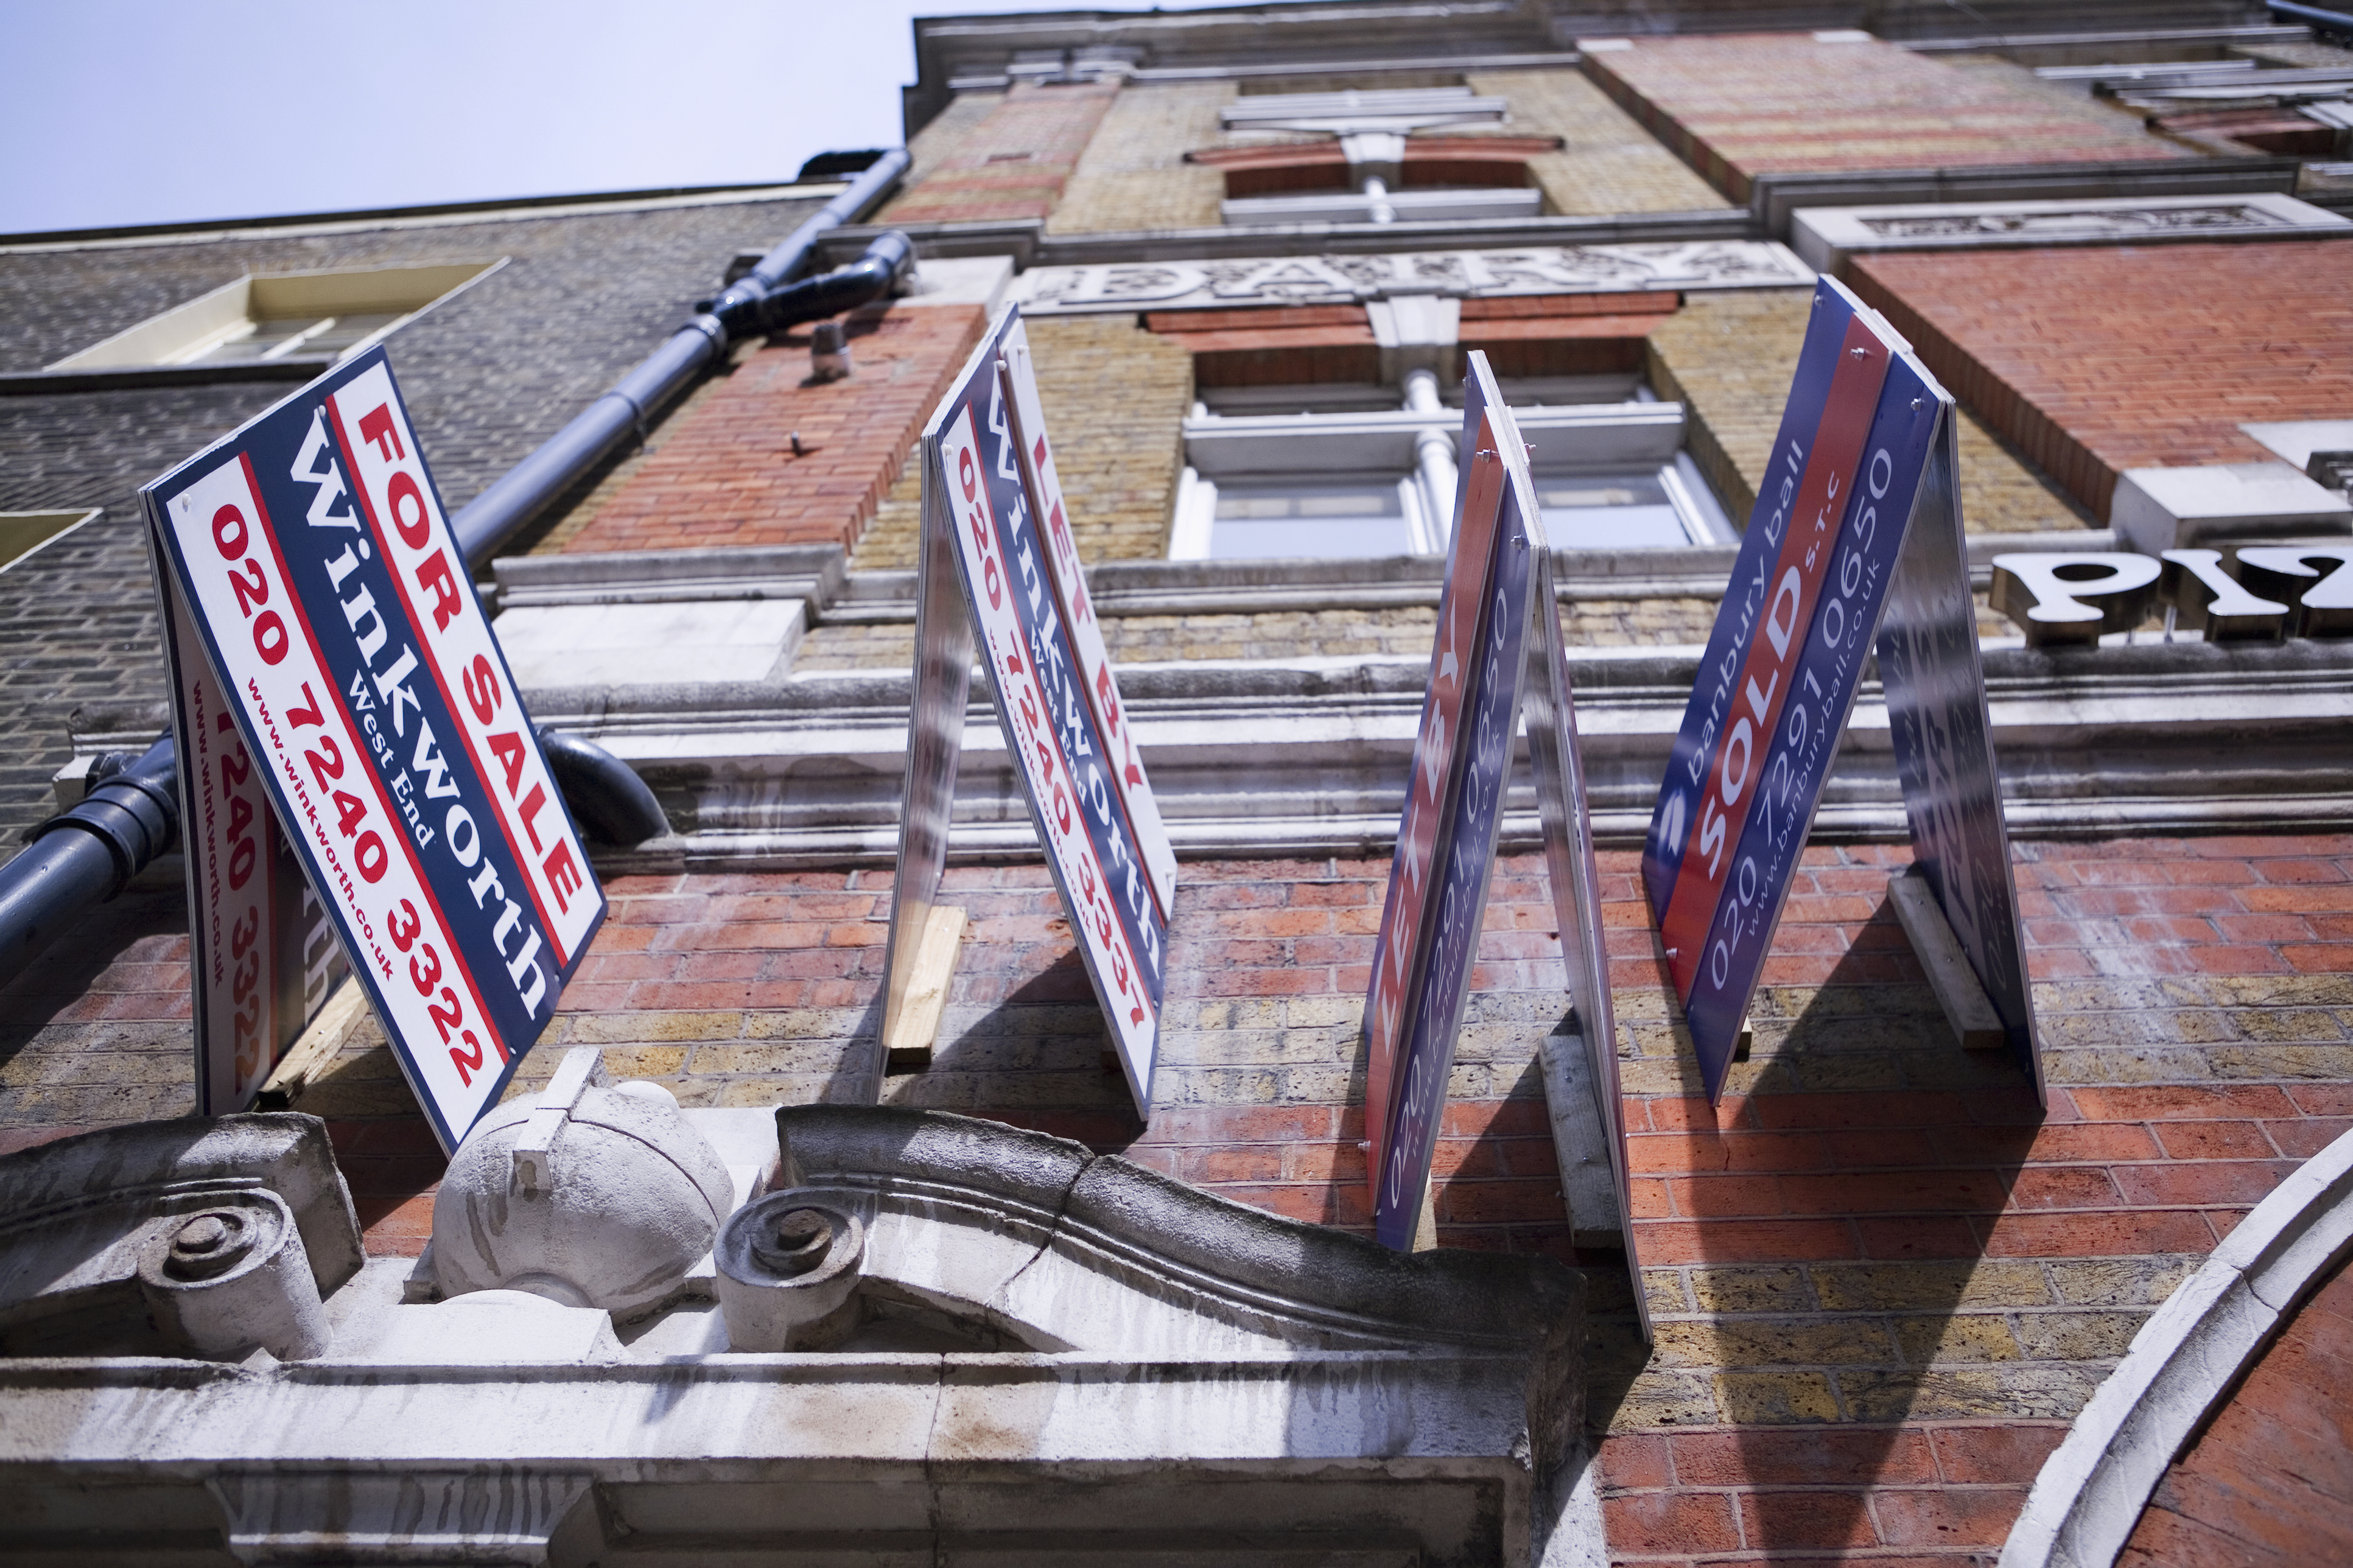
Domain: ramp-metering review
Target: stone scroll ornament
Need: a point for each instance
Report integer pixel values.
(1497, 659)
(1856, 536)
(996, 533)
(355, 759)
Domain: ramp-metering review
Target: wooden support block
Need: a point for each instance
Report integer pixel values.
(1956, 986)
(314, 1047)
(1579, 1145)
(1425, 1230)
(1747, 1038)
(908, 1048)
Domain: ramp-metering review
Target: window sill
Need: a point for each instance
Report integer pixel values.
(294, 367)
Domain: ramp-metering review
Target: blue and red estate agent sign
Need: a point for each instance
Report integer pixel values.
(358, 684)
(1850, 507)
(993, 517)
(1497, 658)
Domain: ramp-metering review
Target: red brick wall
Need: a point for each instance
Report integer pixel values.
(2094, 360)
(1545, 334)
(1883, 1281)
(723, 471)
(1740, 105)
(2270, 1480)
(1015, 163)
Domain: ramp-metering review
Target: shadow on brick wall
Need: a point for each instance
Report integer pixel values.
(1823, 1284)
(95, 1032)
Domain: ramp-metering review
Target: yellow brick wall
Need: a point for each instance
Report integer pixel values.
(1729, 356)
(1115, 398)
(1609, 164)
(1134, 175)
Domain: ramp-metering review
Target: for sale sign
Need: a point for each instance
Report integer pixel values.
(1849, 477)
(372, 704)
(994, 516)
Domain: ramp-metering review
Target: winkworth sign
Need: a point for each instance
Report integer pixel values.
(329, 652)
(1000, 570)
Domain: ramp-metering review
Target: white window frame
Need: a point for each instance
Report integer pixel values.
(1292, 448)
(186, 333)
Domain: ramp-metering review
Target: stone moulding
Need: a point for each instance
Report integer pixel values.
(1248, 1277)
(76, 1214)
(1191, 1378)
(2182, 1366)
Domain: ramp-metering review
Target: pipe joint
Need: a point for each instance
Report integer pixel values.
(135, 813)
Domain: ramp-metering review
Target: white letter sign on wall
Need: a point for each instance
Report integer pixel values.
(370, 700)
(993, 516)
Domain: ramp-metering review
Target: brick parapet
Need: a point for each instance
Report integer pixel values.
(1735, 105)
(725, 469)
(2123, 357)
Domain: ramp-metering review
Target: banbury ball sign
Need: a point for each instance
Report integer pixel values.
(309, 570)
(1859, 515)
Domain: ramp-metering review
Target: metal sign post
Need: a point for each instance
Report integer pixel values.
(370, 701)
(993, 511)
(1854, 478)
(1498, 657)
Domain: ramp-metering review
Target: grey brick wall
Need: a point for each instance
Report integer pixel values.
(489, 375)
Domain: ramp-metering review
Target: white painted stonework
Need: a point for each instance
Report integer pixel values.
(580, 645)
(2182, 1366)
(1825, 236)
(1470, 274)
(1031, 1354)
(2157, 510)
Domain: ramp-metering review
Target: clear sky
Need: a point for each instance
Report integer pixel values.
(129, 112)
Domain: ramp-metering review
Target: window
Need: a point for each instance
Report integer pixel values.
(1346, 479)
(304, 319)
(1374, 174)
(24, 533)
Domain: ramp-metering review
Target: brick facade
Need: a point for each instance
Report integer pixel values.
(1011, 162)
(1742, 105)
(2130, 357)
(2267, 1483)
(485, 379)
(1729, 358)
(1134, 175)
(726, 471)
(1882, 1281)
(1115, 398)
(1606, 162)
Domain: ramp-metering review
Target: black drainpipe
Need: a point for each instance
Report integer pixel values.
(525, 491)
(131, 816)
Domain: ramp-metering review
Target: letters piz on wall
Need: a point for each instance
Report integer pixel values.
(1859, 514)
(993, 514)
(326, 595)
